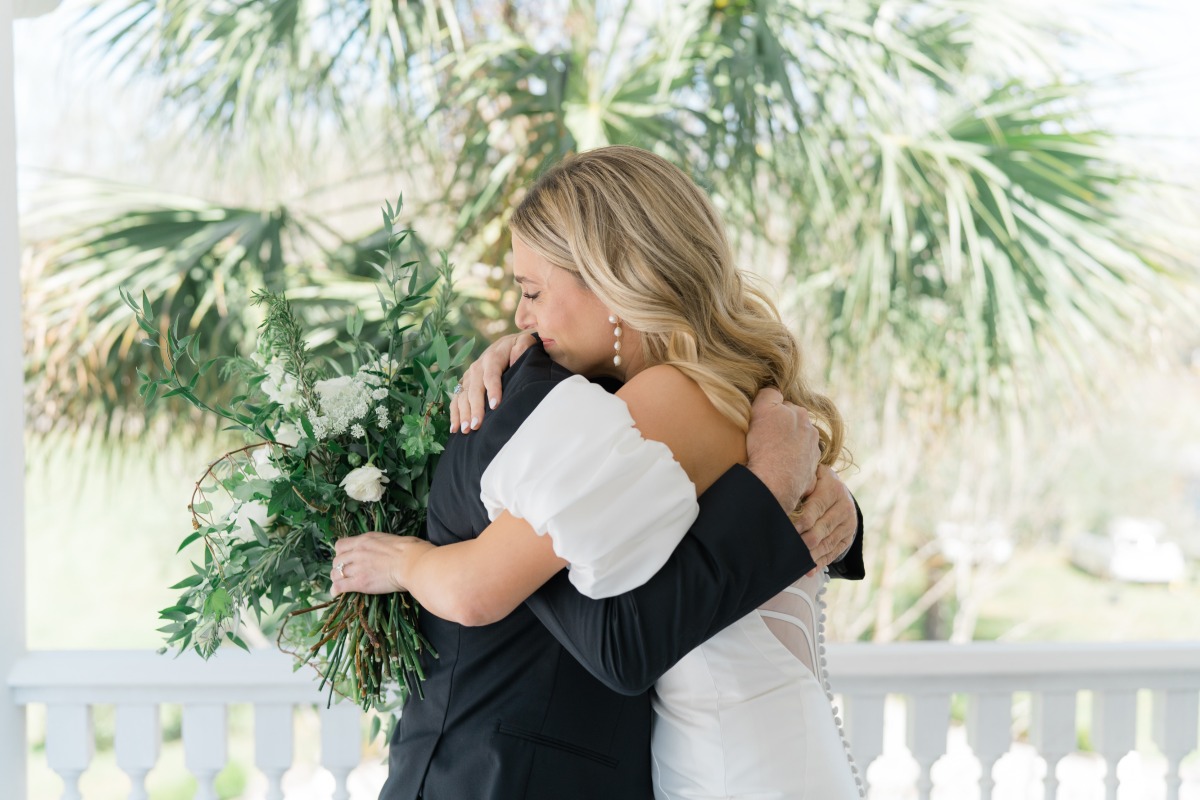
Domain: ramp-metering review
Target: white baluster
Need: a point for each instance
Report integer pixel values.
(273, 744)
(136, 744)
(1115, 730)
(69, 744)
(1176, 713)
(341, 743)
(864, 727)
(205, 747)
(1052, 730)
(928, 723)
(989, 731)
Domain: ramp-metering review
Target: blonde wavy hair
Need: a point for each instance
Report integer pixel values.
(646, 240)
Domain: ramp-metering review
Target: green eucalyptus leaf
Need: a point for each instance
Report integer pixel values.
(254, 488)
(191, 580)
(191, 537)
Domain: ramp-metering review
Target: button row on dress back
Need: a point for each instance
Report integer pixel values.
(829, 689)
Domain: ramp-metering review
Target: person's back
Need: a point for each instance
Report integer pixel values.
(502, 720)
(748, 712)
(503, 704)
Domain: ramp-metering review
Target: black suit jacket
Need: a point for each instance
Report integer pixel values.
(551, 702)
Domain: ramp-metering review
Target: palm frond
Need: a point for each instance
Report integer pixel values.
(934, 190)
(200, 261)
(996, 243)
(234, 66)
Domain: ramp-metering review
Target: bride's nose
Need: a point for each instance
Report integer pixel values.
(524, 318)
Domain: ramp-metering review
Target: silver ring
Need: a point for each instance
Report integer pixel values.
(339, 567)
(457, 389)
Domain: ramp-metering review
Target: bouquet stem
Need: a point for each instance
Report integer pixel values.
(371, 638)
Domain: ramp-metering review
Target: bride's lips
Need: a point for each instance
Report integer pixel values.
(547, 342)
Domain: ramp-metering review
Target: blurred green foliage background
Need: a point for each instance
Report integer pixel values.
(992, 284)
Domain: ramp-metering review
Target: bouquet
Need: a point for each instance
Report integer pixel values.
(327, 455)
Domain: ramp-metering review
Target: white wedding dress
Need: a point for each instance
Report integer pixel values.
(748, 714)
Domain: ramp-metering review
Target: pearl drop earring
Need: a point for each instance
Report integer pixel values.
(617, 344)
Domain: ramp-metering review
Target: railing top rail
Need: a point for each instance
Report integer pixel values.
(1005, 658)
(147, 667)
(123, 675)
(106, 676)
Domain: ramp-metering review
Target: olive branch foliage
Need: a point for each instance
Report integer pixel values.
(276, 564)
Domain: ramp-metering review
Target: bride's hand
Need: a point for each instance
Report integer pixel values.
(483, 378)
(374, 562)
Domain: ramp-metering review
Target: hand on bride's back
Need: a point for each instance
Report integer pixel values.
(782, 447)
(828, 518)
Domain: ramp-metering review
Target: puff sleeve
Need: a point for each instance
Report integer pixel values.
(614, 504)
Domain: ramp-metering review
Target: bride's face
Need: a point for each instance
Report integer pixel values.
(570, 320)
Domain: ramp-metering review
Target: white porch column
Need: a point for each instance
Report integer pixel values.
(12, 414)
(12, 424)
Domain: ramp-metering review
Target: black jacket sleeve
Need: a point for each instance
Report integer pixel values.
(741, 551)
(851, 565)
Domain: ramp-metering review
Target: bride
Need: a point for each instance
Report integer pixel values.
(626, 274)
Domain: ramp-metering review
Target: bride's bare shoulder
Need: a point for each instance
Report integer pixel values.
(660, 376)
(670, 407)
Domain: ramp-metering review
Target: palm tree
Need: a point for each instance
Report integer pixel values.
(914, 174)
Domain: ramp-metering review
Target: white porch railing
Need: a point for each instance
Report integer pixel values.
(907, 689)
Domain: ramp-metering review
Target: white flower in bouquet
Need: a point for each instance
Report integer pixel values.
(370, 378)
(288, 434)
(344, 400)
(385, 365)
(365, 484)
(263, 465)
(281, 387)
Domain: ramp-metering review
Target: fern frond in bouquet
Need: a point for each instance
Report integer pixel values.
(328, 454)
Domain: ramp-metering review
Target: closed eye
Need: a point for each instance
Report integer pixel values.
(529, 296)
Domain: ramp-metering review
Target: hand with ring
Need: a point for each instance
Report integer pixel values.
(374, 562)
(480, 387)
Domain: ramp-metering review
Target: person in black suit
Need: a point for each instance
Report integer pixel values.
(551, 700)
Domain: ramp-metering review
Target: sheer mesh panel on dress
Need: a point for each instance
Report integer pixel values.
(794, 617)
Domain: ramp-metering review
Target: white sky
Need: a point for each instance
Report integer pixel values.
(1157, 39)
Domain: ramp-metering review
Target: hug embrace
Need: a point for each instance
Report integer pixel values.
(631, 526)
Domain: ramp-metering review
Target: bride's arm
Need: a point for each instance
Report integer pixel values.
(475, 582)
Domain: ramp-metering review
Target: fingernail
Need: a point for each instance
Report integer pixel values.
(465, 427)
(493, 403)
(474, 423)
